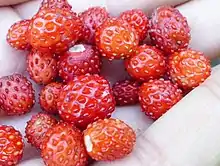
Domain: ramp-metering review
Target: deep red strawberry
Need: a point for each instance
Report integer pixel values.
(61, 4)
(11, 146)
(148, 63)
(109, 139)
(158, 96)
(188, 68)
(16, 94)
(17, 35)
(169, 29)
(138, 20)
(36, 128)
(49, 97)
(79, 60)
(86, 99)
(54, 30)
(63, 145)
(42, 67)
(126, 92)
(92, 18)
(116, 39)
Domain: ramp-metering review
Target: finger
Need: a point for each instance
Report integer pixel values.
(11, 2)
(205, 26)
(118, 6)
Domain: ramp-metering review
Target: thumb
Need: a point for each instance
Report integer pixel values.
(10, 2)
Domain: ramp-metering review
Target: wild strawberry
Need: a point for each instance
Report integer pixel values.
(148, 63)
(158, 96)
(116, 39)
(92, 18)
(49, 96)
(138, 20)
(42, 67)
(169, 30)
(79, 60)
(109, 139)
(61, 4)
(17, 35)
(54, 30)
(63, 145)
(36, 128)
(126, 92)
(188, 68)
(86, 99)
(16, 94)
(11, 146)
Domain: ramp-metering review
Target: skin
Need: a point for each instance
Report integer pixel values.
(190, 129)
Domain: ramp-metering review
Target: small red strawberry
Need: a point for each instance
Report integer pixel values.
(54, 30)
(158, 96)
(49, 97)
(36, 128)
(169, 29)
(109, 139)
(16, 95)
(79, 60)
(63, 145)
(42, 67)
(138, 20)
(92, 18)
(61, 4)
(188, 68)
(148, 63)
(116, 39)
(126, 92)
(11, 146)
(86, 99)
(17, 35)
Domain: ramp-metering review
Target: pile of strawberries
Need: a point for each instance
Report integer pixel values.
(65, 55)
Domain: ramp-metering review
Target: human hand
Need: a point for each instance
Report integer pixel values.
(188, 130)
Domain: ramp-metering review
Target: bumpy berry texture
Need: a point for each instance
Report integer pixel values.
(148, 63)
(17, 35)
(79, 60)
(36, 128)
(11, 146)
(42, 67)
(116, 39)
(158, 96)
(188, 68)
(138, 20)
(63, 145)
(91, 19)
(16, 95)
(54, 30)
(61, 4)
(109, 139)
(126, 92)
(85, 100)
(49, 96)
(169, 30)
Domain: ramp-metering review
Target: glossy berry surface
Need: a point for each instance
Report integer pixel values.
(109, 139)
(189, 68)
(49, 97)
(36, 128)
(79, 60)
(158, 96)
(86, 99)
(16, 94)
(148, 63)
(63, 145)
(11, 146)
(115, 39)
(169, 29)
